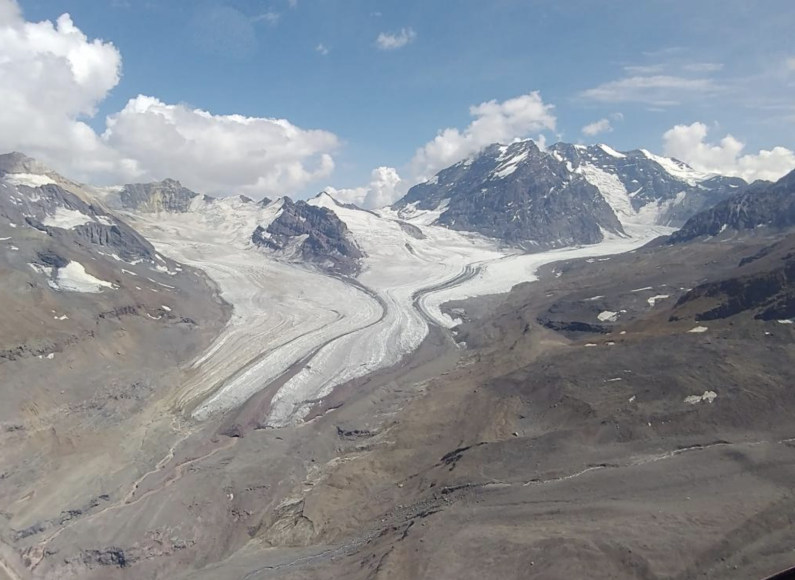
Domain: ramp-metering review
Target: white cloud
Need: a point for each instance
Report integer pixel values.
(790, 64)
(322, 49)
(673, 66)
(703, 67)
(597, 127)
(393, 41)
(658, 90)
(270, 17)
(645, 69)
(9, 12)
(385, 188)
(688, 143)
(220, 154)
(494, 122)
(52, 79)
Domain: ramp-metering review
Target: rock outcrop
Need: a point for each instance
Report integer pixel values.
(163, 196)
(312, 234)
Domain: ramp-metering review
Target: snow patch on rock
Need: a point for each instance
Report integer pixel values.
(74, 278)
(698, 330)
(608, 316)
(29, 179)
(707, 397)
(655, 299)
(67, 219)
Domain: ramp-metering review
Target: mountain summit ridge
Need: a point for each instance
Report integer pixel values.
(566, 194)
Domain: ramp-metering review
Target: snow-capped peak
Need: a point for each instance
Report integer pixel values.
(324, 199)
(610, 151)
(677, 169)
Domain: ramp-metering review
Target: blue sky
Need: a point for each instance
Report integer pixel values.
(643, 67)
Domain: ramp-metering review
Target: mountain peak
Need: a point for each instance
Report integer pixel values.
(325, 197)
(610, 151)
(788, 180)
(566, 194)
(16, 162)
(161, 196)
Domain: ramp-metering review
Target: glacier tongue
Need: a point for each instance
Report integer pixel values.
(329, 330)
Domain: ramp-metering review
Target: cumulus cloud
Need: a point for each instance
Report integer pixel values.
(9, 11)
(660, 90)
(220, 154)
(53, 78)
(689, 144)
(385, 188)
(597, 127)
(494, 122)
(393, 41)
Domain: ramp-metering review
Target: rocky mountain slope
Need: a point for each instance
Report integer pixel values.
(760, 205)
(95, 326)
(590, 422)
(762, 285)
(64, 250)
(566, 195)
(658, 189)
(21, 169)
(516, 193)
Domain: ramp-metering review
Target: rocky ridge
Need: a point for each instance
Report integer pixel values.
(760, 205)
(314, 234)
(565, 195)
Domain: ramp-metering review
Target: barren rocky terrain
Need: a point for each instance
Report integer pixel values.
(532, 453)
(625, 412)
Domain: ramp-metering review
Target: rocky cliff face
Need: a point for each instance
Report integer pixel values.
(566, 195)
(163, 196)
(760, 205)
(15, 162)
(313, 234)
(519, 194)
